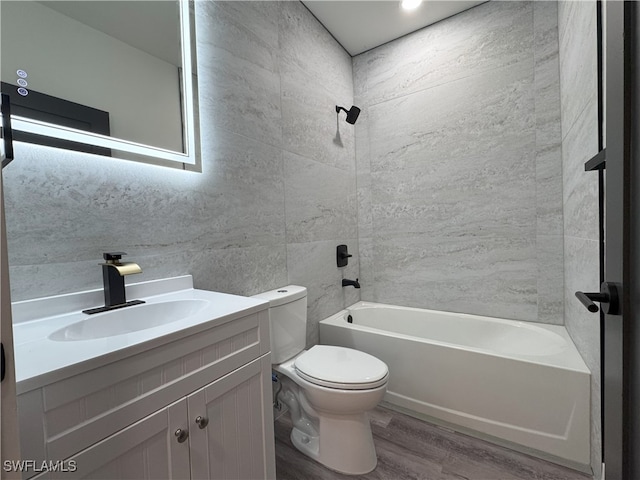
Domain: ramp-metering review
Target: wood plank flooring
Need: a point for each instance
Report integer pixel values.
(408, 448)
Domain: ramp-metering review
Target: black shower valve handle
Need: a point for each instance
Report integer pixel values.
(342, 256)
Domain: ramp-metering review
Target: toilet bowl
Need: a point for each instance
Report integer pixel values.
(327, 389)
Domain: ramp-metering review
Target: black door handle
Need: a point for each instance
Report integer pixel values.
(2, 355)
(607, 297)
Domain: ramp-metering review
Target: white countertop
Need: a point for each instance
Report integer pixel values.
(40, 360)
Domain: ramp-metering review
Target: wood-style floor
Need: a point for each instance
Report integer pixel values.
(408, 448)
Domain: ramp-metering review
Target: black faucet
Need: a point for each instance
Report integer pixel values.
(350, 283)
(113, 273)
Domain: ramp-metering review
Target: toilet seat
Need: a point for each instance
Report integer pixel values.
(341, 368)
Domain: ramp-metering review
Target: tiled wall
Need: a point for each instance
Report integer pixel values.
(275, 197)
(578, 79)
(459, 165)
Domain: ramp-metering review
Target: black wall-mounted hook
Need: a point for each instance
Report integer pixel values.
(342, 256)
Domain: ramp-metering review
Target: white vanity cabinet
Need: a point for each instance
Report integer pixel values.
(227, 430)
(144, 450)
(227, 440)
(197, 407)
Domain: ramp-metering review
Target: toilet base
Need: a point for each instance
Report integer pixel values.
(345, 444)
(308, 445)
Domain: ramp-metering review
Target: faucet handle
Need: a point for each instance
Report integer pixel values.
(113, 256)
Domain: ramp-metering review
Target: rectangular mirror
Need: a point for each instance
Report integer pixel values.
(114, 78)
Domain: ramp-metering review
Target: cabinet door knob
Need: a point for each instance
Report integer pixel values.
(202, 421)
(182, 435)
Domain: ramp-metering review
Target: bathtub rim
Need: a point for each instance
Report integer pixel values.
(570, 359)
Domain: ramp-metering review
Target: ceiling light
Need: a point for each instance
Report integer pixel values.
(410, 4)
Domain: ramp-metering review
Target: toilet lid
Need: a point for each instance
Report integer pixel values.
(339, 367)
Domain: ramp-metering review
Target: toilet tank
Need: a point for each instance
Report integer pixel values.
(287, 321)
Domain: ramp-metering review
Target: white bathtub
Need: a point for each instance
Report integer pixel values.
(519, 383)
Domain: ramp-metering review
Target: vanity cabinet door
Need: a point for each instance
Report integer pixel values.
(231, 425)
(148, 449)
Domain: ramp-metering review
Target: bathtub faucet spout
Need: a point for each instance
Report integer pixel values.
(350, 283)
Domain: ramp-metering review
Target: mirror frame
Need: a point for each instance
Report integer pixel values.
(190, 159)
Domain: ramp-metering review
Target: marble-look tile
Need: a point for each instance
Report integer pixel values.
(473, 196)
(580, 188)
(242, 204)
(239, 96)
(316, 76)
(305, 45)
(546, 71)
(549, 192)
(549, 259)
(465, 170)
(313, 265)
(367, 269)
(481, 39)
(484, 275)
(241, 271)
(34, 280)
(244, 201)
(58, 210)
(310, 125)
(365, 215)
(487, 164)
(581, 265)
(488, 113)
(352, 295)
(238, 69)
(361, 131)
(582, 273)
(545, 31)
(247, 30)
(548, 120)
(363, 173)
(320, 201)
(578, 58)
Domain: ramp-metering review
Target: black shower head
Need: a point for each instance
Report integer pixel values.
(352, 113)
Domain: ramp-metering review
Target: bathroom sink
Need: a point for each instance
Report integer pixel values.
(129, 319)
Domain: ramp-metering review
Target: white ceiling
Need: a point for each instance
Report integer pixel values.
(360, 25)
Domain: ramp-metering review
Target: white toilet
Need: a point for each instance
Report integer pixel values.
(327, 389)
